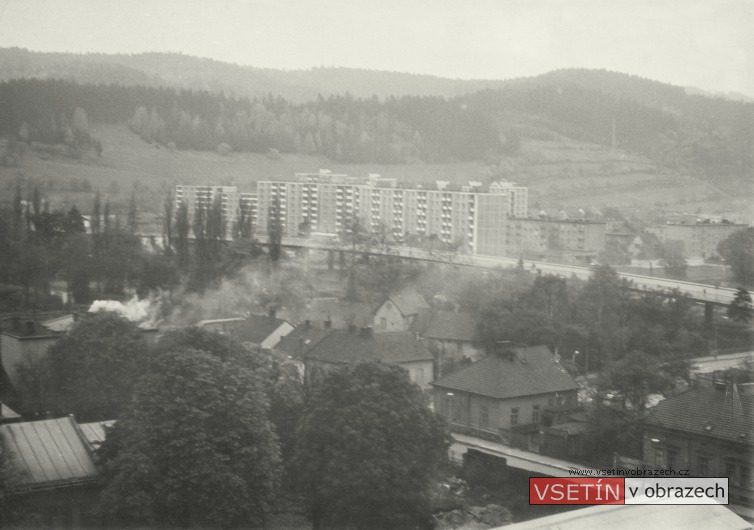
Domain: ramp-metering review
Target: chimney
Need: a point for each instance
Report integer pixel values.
(367, 331)
(272, 312)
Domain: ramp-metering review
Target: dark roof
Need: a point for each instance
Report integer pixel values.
(408, 301)
(526, 372)
(728, 413)
(255, 329)
(445, 325)
(340, 312)
(302, 339)
(394, 347)
(49, 453)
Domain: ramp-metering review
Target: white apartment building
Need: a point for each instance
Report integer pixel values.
(471, 218)
(231, 202)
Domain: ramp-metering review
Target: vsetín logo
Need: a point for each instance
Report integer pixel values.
(576, 491)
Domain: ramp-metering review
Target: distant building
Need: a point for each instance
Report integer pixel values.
(699, 240)
(339, 348)
(506, 393)
(708, 430)
(452, 334)
(399, 310)
(25, 342)
(333, 313)
(543, 236)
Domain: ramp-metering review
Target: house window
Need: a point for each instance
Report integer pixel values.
(659, 458)
(419, 376)
(730, 472)
(672, 457)
(514, 416)
(383, 322)
(702, 466)
(535, 414)
(448, 406)
(484, 416)
(744, 474)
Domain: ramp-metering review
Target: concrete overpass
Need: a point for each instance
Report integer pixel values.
(698, 292)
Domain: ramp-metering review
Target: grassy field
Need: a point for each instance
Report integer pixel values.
(563, 174)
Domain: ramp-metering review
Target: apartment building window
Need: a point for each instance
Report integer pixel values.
(484, 416)
(514, 416)
(702, 466)
(535, 414)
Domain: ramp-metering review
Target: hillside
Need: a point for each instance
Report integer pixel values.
(561, 174)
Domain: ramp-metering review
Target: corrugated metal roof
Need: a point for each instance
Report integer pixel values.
(94, 433)
(48, 453)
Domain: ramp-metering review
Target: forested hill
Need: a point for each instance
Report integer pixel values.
(194, 73)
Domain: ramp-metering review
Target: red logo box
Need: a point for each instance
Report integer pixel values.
(576, 491)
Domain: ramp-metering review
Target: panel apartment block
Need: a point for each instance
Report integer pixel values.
(470, 218)
(231, 202)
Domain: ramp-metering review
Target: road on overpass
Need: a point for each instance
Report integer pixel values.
(697, 291)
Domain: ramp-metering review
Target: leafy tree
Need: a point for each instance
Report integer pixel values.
(92, 369)
(368, 450)
(635, 376)
(672, 258)
(275, 228)
(193, 448)
(738, 251)
(602, 310)
(740, 308)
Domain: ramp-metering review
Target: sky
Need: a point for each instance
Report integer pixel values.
(708, 44)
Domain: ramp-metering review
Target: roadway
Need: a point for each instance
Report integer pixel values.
(697, 291)
(712, 363)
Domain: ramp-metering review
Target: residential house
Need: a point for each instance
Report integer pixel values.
(343, 347)
(24, 343)
(452, 335)
(399, 310)
(708, 430)
(510, 392)
(257, 331)
(56, 476)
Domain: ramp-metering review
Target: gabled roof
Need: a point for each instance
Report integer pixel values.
(526, 372)
(254, 329)
(391, 347)
(49, 453)
(408, 301)
(302, 339)
(728, 414)
(445, 325)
